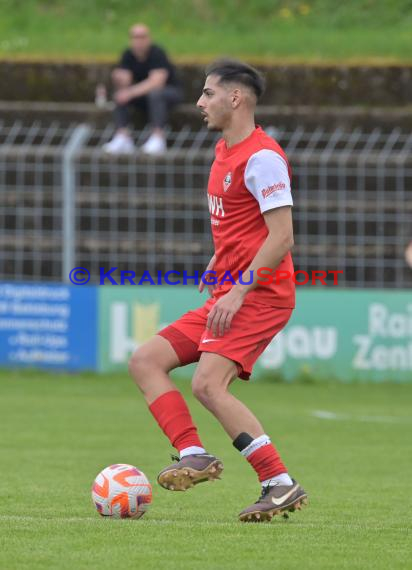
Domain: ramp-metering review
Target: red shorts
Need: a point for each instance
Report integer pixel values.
(251, 330)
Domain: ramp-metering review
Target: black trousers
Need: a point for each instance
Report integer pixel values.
(156, 105)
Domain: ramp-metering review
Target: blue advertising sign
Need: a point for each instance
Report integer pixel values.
(48, 326)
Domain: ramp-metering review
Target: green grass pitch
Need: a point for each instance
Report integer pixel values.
(355, 31)
(58, 431)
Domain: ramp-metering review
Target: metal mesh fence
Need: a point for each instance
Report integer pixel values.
(63, 202)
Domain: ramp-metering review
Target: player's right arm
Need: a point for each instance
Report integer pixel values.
(209, 267)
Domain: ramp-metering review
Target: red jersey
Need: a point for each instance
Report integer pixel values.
(246, 180)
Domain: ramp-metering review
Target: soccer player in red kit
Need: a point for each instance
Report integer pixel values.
(249, 197)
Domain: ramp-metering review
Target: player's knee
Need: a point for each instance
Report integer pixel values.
(204, 390)
(201, 392)
(140, 365)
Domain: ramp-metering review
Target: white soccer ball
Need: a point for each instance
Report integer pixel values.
(121, 491)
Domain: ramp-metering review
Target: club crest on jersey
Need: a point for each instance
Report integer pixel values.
(227, 181)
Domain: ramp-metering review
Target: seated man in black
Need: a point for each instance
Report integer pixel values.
(146, 79)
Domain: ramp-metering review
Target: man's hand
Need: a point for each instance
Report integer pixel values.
(123, 96)
(220, 317)
(211, 287)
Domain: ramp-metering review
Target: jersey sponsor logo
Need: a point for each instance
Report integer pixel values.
(216, 205)
(227, 181)
(274, 188)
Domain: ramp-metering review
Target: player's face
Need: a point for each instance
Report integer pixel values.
(215, 104)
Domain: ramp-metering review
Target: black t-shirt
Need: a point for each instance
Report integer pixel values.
(155, 59)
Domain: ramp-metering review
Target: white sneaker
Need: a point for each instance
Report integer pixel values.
(155, 144)
(120, 144)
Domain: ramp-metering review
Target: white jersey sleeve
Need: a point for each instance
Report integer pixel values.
(267, 178)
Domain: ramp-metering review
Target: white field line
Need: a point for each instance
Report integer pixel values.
(327, 415)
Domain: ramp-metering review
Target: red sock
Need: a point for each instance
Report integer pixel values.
(173, 416)
(266, 462)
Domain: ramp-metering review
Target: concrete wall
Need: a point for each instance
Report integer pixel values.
(287, 85)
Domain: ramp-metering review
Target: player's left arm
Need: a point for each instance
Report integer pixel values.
(267, 179)
(276, 245)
